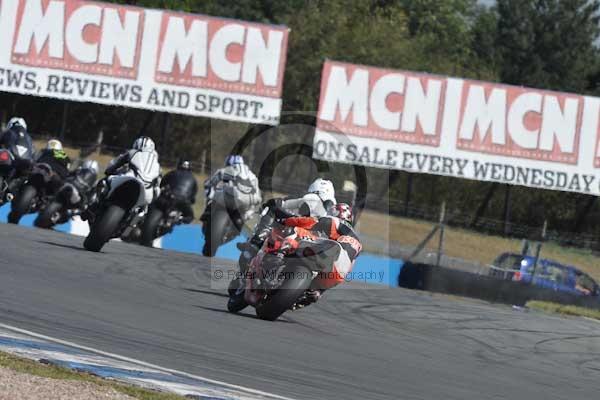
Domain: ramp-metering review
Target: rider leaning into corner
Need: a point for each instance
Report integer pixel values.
(342, 243)
(182, 183)
(57, 159)
(237, 175)
(16, 139)
(334, 237)
(141, 161)
(84, 178)
(320, 197)
(16, 135)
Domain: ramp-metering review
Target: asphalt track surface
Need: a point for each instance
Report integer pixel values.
(158, 306)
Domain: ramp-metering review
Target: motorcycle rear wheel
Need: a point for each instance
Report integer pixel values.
(21, 204)
(104, 228)
(298, 280)
(150, 227)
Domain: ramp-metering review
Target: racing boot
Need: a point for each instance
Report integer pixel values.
(310, 296)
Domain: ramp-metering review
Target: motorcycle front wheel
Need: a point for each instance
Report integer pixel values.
(150, 226)
(214, 232)
(21, 204)
(297, 280)
(47, 217)
(103, 228)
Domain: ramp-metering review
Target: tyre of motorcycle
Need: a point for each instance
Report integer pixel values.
(297, 281)
(150, 226)
(125, 196)
(46, 219)
(215, 230)
(3, 190)
(236, 302)
(21, 204)
(104, 227)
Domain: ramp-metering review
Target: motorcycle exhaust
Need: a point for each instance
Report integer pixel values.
(10, 196)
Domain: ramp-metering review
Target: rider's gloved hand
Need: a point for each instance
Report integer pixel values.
(187, 219)
(273, 204)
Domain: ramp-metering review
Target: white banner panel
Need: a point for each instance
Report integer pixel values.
(454, 127)
(151, 59)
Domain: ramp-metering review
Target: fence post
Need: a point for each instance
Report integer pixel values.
(506, 224)
(203, 166)
(525, 247)
(408, 194)
(441, 225)
(539, 250)
(99, 141)
(483, 206)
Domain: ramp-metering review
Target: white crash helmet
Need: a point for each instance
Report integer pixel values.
(91, 165)
(144, 143)
(54, 144)
(324, 189)
(16, 122)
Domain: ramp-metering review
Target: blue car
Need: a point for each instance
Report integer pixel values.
(548, 274)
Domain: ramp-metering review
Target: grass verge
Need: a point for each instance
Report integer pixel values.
(556, 308)
(31, 367)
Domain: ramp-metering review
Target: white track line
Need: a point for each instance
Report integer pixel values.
(143, 363)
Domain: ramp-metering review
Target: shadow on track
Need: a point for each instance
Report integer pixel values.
(65, 246)
(252, 316)
(224, 295)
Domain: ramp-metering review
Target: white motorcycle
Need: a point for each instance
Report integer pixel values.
(122, 208)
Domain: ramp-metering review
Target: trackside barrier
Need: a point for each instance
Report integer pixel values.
(444, 280)
(369, 268)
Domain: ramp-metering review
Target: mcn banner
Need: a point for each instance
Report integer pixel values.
(152, 59)
(455, 127)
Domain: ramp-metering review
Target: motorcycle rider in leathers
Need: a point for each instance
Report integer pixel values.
(335, 239)
(16, 134)
(84, 179)
(237, 174)
(54, 156)
(242, 181)
(319, 198)
(342, 243)
(142, 157)
(16, 139)
(182, 183)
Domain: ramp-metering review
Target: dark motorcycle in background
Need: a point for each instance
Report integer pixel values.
(15, 162)
(163, 216)
(279, 277)
(6, 169)
(34, 193)
(68, 202)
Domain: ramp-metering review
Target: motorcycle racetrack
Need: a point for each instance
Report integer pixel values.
(356, 343)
